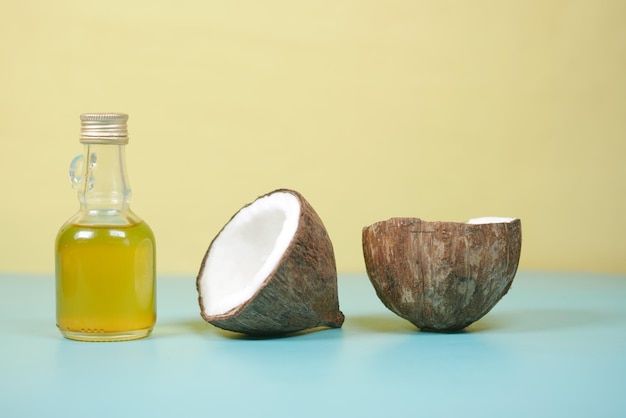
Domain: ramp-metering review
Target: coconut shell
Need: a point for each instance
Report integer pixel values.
(441, 275)
(301, 292)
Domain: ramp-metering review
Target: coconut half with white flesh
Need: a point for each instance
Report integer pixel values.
(271, 270)
(442, 276)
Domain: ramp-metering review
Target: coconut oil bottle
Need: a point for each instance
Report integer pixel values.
(104, 254)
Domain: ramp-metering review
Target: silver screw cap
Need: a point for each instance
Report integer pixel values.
(104, 128)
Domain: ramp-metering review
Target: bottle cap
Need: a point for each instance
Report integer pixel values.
(103, 128)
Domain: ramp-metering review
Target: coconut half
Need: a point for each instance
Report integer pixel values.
(442, 275)
(271, 270)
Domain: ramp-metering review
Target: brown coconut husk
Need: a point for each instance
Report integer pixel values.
(300, 293)
(441, 276)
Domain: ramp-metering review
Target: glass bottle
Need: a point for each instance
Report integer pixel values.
(105, 254)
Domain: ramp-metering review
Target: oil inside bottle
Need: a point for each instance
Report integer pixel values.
(105, 287)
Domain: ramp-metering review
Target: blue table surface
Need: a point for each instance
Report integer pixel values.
(555, 345)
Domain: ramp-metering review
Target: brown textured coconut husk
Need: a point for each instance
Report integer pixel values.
(441, 275)
(301, 292)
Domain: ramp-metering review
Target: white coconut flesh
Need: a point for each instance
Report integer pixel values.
(247, 251)
(490, 220)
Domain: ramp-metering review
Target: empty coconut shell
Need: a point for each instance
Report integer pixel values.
(271, 270)
(442, 275)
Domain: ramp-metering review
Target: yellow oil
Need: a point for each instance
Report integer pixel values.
(105, 282)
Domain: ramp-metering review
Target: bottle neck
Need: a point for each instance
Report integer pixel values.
(104, 191)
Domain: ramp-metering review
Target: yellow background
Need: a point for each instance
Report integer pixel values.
(443, 110)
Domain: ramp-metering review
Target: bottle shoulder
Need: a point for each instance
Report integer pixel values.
(71, 233)
(105, 220)
(104, 217)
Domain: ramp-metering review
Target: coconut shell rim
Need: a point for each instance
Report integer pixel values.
(455, 223)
